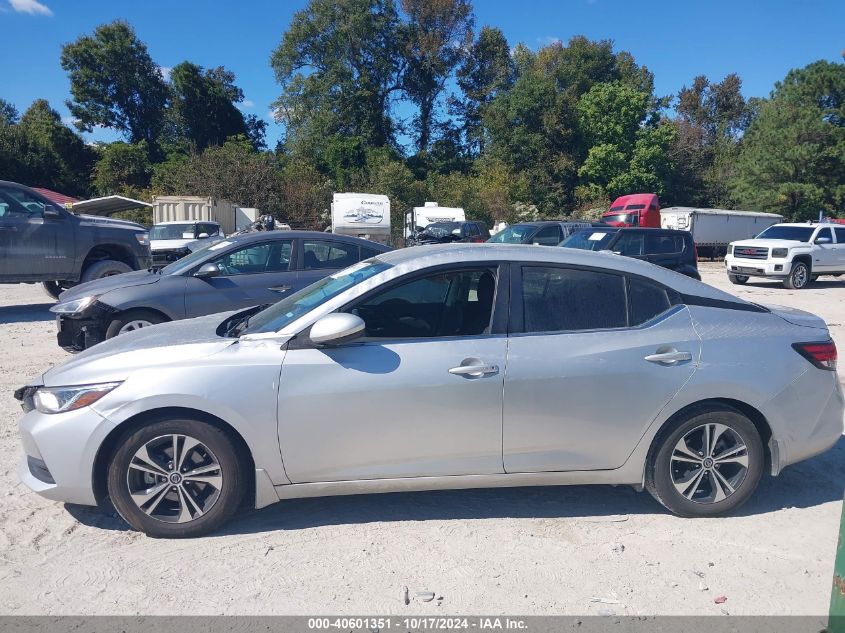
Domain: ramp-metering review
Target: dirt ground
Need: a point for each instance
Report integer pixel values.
(557, 550)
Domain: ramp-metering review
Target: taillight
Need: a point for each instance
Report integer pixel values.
(822, 355)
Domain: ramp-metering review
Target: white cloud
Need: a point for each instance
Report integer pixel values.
(33, 7)
(247, 103)
(165, 72)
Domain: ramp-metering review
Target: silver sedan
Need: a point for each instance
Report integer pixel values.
(440, 367)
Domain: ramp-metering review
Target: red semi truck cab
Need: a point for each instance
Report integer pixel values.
(636, 209)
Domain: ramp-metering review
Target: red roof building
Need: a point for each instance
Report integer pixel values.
(54, 196)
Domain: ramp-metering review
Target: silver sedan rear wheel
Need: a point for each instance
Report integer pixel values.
(709, 463)
(174, 478)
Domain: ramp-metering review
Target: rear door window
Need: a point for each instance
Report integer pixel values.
(663, 244)
(646, 300)
(325, 254)
(630, 243)
(840, 234)
(568, 299)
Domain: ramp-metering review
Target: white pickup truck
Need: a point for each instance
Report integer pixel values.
(795, 254)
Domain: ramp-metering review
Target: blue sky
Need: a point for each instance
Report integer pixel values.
(676, 40)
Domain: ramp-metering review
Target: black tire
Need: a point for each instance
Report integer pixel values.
(739, 280)
(661, 469)
(798, 278)
(104, 268)
(55, 288)
(223, 502)
(150, 317)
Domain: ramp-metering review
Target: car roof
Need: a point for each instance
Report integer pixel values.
(545, 222)
(424, 256)
(186, 222)
(805, 224)
(260, 236)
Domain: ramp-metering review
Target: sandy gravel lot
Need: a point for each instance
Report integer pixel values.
(576, 550)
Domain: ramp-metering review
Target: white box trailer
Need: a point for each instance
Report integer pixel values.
(713, 229)
(365, 215)
(186, 208)
(420, 217)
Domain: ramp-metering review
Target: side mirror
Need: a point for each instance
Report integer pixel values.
(822, 240)
(207, 271)
(202, 236)
(337, 328)
(51, 213)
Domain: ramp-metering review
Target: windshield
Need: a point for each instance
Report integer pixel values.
(171, 231)
(516, 234)
(189, 261)
(622, 218)
(291, 308)
(589, 240)
(795, 233)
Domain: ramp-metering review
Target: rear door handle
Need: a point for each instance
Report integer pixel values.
(474, 371)
(280, 288)
(669, 357)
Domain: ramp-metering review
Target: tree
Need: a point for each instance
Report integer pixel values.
(8, 113)
(488, 69)
(437, 34)
(123, 169)
(202, 107)
(339, 65)
(793, 153)
(115, 83)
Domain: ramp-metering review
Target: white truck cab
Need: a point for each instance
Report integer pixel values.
(794, 253)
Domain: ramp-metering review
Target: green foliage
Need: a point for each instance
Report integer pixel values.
(115, 83)
(793, 155)
(123, 169)
(8, 113)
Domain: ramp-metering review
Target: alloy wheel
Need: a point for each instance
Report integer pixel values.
(133, 325)
(709, 463)
(174, 478)
(799, 276)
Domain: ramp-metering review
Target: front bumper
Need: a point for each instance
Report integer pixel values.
(77, 333)
(757, 267)
(59, 453)
(163, 257)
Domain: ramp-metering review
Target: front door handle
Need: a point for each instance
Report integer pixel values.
(280, 288)
(474, 370)
(668, 357)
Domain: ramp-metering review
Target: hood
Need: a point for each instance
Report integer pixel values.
(111, 222)
(166, 245)
(170, 343)
(797, 317)
(752, 243)
(99, 287)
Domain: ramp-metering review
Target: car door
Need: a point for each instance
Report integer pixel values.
(593, 357)
(839, 231)
(250, 275)
(825, 254)
(35, 246)
(322, 257)
(420, 395)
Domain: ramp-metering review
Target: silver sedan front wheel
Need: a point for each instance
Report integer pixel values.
(177, 477)
(174, 478)
(131, 326)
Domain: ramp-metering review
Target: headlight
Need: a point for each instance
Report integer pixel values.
(143, 238)
(780, 252)
(62, 399)
(73, 307)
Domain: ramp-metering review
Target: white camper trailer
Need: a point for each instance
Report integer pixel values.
(420, 217)
(365, 215)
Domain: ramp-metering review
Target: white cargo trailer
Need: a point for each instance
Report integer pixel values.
(186, 208)
(420, 217)
(713, 229)
(365, 215)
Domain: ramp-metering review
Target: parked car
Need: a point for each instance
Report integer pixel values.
(589, 368)
(548, 233)
(636, 209)
(448, 232)
(795, 254)
(170, 241)
(42, 242)
(670, 249)
(243, 271)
